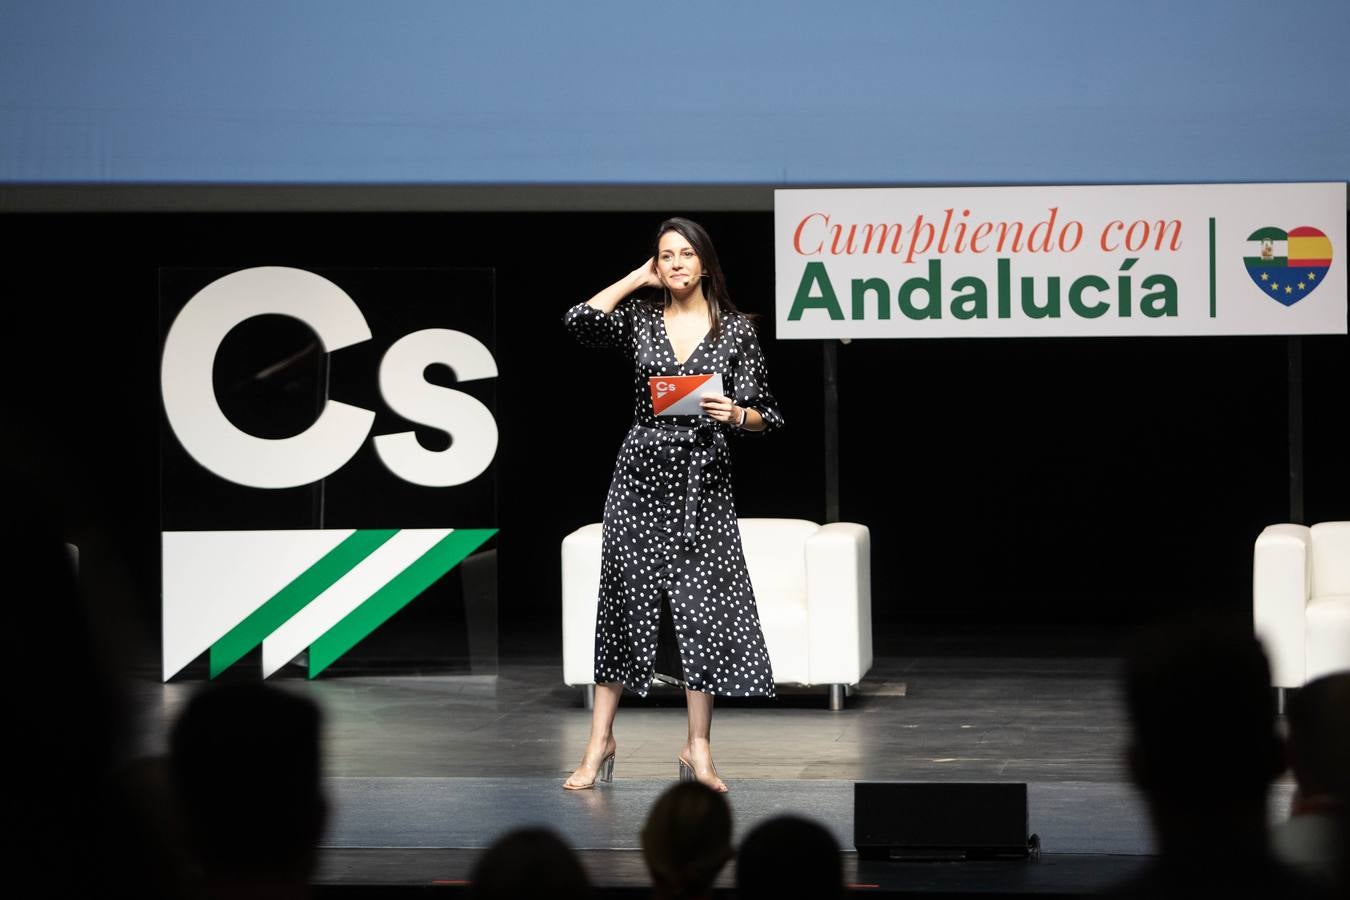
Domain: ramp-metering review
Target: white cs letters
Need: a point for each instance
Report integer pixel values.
(471, 426)
(340, 430)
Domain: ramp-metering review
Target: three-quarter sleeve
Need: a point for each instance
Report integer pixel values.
(752, 380)
(593, 328)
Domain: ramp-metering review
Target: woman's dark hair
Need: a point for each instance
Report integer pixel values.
(250, 810)
(789, 856)
(687, 840)
(529, 862)
(714, 286)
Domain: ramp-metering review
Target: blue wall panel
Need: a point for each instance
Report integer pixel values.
(751, 93)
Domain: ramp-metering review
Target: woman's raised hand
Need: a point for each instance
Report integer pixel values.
(645, 275)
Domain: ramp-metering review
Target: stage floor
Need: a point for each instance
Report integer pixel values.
(429, 768)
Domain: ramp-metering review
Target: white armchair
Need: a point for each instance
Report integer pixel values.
(1301, 600)
(813, 588)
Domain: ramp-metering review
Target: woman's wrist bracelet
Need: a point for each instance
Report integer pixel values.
(741, 423)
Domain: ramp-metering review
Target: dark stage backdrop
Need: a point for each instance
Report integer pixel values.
(1046, 482)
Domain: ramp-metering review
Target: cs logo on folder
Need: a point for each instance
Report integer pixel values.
(679, 395)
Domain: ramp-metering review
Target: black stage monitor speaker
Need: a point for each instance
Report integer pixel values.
(936, 821)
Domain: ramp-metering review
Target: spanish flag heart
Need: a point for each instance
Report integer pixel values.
(1288, 265)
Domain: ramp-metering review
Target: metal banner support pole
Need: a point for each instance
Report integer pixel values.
(831, 354)
(1295, 348)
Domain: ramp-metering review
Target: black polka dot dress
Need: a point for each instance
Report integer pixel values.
(675, 597)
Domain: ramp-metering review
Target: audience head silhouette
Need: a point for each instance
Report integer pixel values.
(1319, 738)
(789, 856)
(686, 840)
(529, 862)
(1203, 752)
(1314, 839)
(1202, 716)
(68, 706)
(246, 767)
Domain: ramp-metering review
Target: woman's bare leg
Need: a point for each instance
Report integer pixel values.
(601, 743)
(698, 749)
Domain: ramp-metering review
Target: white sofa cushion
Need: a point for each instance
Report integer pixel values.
(580, 591)
(1328, 635)
(1330, 558)
(775, 556)
(785, 637)
(1280, 568)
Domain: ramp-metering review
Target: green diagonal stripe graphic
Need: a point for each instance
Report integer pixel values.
(296, 596)
(401, 589)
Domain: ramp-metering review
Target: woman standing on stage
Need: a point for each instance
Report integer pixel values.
(675, 597)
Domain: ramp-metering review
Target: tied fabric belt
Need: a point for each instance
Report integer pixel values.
(706, 442)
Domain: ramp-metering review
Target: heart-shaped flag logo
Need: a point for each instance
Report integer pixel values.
(1288, 265)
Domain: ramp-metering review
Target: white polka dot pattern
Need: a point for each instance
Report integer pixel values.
(670, 527)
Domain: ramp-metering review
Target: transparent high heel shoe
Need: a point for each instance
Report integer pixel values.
(605, 773)
(687, 773)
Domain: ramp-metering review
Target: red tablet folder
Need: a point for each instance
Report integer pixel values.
(679, 395)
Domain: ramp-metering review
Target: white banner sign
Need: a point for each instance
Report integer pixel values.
(1189, 259)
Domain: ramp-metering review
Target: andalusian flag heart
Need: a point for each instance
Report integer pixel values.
(1288, 266)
